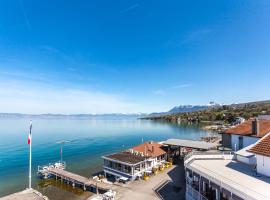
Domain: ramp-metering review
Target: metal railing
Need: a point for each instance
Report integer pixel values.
(208, 155)
(52, 165)
(194, 194)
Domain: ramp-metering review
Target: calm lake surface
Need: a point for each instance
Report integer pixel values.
(89, 140)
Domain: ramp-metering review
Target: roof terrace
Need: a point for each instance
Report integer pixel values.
(231, 175)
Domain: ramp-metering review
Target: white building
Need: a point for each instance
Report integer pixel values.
(221, 177)
(262, 151)
(244, 175)
(245, 134)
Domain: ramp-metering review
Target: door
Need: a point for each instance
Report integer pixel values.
(240, 142)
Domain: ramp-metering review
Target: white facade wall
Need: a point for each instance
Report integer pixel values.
(246, 160)
(264, 117)
(263, 165)
(249, 140)
(246, 141)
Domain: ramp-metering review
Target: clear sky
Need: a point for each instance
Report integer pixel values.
(128, 56)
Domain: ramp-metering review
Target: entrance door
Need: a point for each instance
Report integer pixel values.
(240, 142)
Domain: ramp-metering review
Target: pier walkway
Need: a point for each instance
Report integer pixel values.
(80, 180)
(77, 180)
(28, 194)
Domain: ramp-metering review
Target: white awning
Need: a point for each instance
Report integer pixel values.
(190, 143)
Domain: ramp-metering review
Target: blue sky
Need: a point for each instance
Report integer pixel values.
(131, 56)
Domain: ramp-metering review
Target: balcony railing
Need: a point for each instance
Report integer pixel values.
(208, 155)
(194, 194)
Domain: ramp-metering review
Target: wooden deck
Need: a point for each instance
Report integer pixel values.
(76, 179)
(28, 194)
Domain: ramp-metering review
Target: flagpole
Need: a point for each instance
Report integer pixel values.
(30, 155)
(61, 155)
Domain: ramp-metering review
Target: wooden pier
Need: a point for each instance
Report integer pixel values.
(77, 180)
(74, 179)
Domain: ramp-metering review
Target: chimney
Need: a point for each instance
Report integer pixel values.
(153, 149)
(255, 127)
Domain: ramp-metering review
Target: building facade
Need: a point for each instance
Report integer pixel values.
(132, 163)
(262, 151)
(245, 134)
(125, 165)
(243, 175)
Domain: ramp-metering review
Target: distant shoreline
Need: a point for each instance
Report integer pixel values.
(71, 116)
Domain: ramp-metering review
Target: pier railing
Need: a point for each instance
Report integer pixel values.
(59, 165)
(208, 155)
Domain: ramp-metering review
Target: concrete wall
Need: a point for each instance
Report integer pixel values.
(246, 141)
(249, 161)
(263, 165)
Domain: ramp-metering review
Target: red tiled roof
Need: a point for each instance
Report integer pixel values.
(246, 128)
(262, 147)
(152, 149)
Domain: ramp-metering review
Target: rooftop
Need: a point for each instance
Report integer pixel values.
(190, 143)
(262, 147)
(151, 149)
(246, 128)
(233, 176)
(126, 157)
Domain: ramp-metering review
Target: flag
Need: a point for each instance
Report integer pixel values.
(30, 133)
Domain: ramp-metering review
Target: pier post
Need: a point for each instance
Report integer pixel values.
(73, 184)
(97, 189)
(84, 188)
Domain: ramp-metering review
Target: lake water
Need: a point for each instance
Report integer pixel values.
(89, 140)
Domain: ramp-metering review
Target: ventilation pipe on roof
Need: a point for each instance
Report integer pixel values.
(255, 127)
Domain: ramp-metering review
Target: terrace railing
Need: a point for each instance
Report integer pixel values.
(208, 155)
(194, 194)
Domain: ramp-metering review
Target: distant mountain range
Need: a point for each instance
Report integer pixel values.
(73, 116)
(111, 116)
(185, 109)
(214, 112)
